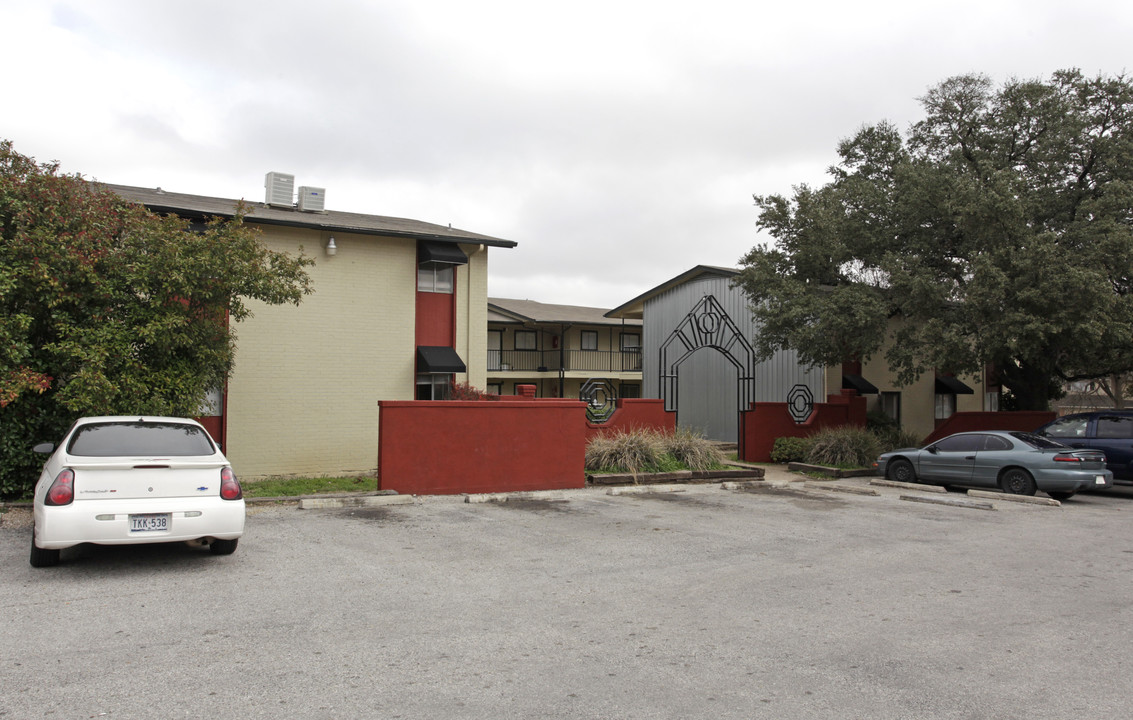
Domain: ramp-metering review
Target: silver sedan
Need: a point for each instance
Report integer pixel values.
(1015, 462)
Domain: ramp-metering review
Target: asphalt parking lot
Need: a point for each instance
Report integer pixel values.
(708, 603)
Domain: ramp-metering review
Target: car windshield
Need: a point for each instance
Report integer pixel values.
(132, 439)
(1037, 441)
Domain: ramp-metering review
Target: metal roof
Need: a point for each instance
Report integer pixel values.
(505, 310)
(635, 308)
(199, 207)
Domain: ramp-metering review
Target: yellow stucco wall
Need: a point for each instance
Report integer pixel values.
(303, 397)
(918, 399)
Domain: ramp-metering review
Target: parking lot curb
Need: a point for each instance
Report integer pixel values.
(833, 487)
(949, 501)
(640, 489)
(753, 484)
(364, 501)
(1028, 499)
(909, 486)
(521, 495)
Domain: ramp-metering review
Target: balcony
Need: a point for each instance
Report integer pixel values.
(528, 361)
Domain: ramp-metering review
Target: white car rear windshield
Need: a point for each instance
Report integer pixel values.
(131, 439)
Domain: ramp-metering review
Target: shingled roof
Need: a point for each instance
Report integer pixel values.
(201, 207)
(529, 311)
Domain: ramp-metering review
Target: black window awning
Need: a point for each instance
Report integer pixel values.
(436, 360)
(437, 252)
(859, 383)
(948, 385)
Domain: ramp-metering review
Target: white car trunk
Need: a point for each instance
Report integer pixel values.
(129, 478)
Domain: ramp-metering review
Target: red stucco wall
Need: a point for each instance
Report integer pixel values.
(448, 447)
(766, 421)
(633, 414)
(969, 421)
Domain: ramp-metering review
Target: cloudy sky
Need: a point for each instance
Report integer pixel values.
(618, 142)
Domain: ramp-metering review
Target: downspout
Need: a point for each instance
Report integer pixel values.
(562, 359)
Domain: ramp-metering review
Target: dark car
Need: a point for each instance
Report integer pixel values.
(1016, 462)
(1110, 431)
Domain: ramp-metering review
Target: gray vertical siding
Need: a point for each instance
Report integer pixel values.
(707, 395)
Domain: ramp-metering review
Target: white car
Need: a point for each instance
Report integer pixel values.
(126, 480)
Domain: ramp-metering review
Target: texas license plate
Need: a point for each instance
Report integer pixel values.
(1099, 479)
(153, 522)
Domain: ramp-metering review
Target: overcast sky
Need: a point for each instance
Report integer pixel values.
(619, 143)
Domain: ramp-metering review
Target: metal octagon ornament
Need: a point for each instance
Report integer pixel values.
(601, 399)
(800, 403)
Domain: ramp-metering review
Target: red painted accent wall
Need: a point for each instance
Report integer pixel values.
(448, 447)
(632, 414)
(215, 426)
(1026, 420)
(766, 421)
(436, 319)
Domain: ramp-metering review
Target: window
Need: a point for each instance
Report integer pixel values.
(152, 439)
(495, 389)
(994, 442)
(631, 351)
(524, 339)
(1115, 427)
(945, 406)
(589, 340)
(630, 390)
(991, 402)
(960, 443)
(891, 405)
(1068, 427)
(435, 277)
(434, 386)
(1036, 441)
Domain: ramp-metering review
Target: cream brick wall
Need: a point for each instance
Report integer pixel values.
(303, 397)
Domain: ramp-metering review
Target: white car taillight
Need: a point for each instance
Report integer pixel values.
(229, 485)
(62, 490)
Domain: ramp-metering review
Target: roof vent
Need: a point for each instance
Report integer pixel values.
(312, 199)
(280, 188)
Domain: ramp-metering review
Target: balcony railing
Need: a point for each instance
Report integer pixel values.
(552, 360)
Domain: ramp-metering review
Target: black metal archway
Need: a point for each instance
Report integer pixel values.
(707, 325)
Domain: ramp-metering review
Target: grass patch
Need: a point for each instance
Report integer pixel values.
(291, 487)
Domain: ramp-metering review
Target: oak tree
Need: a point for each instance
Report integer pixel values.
(998, 229)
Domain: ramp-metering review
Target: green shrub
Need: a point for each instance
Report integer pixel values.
(844, 447)
(897, 439)
(790, 449)
(889, 433)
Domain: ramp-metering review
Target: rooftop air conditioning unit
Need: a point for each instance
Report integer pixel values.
(312, 199)
(280, 189)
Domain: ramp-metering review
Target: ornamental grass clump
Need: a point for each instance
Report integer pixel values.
(648, 450)
(691, 449)
(843, 447)
(623, 452)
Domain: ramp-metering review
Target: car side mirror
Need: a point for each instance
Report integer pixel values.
(932, 449)
(44, 448)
